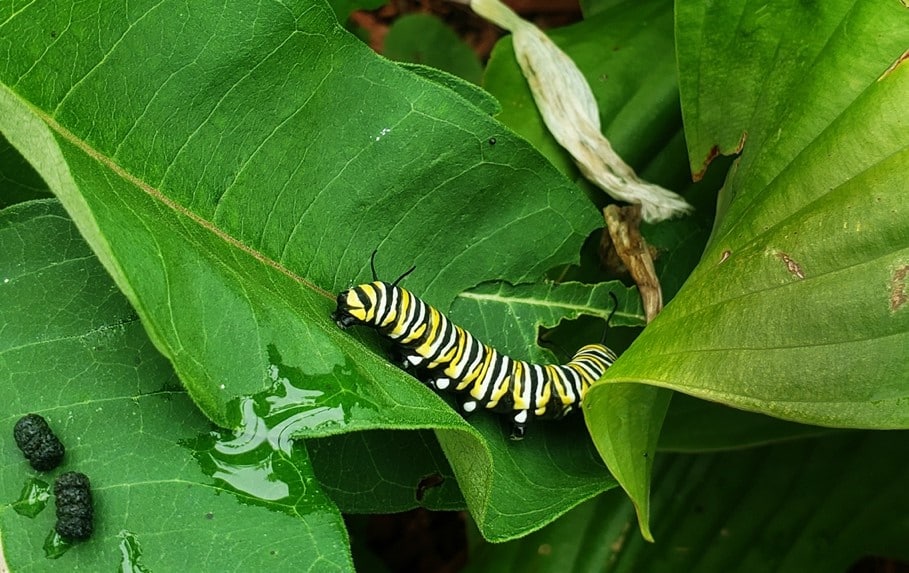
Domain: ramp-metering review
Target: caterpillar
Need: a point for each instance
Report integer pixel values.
(74, 506)
(454, 360)
(38, 443)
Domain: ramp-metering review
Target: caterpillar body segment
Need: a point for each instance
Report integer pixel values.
(455, 361)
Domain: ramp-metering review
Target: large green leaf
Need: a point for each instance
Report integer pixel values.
(74, 351)
(816, 505)
(233, 170)
(794, 310)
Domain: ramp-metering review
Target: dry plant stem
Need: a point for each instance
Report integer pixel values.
(624, 225)
(570, 112)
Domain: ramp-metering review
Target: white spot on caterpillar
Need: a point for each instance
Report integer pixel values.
(521, 417)
(469, 406)
(443, 383)
(414, 360)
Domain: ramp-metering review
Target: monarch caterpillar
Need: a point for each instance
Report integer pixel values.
(454, 360)
(37, 441)
(74, 506)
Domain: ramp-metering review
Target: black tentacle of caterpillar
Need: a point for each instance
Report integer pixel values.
(456, 361)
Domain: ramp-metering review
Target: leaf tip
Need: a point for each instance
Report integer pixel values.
(644, 523)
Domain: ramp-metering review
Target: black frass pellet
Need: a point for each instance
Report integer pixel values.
(74, 506)
(38, 442)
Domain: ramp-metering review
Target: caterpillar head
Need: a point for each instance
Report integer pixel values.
(352, 308)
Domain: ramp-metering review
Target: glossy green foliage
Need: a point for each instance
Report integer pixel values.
(234, 169)
(818, 183)
(814, 505)
(74, 351)
(798, 292)
(230, 174)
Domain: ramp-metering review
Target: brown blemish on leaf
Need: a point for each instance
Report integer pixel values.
(894, 65)
(714, 152)
(711, 155)
(725, 256)
(898, 294)
(791, 265)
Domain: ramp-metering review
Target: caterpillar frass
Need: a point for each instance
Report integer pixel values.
(38, 442)
(454, 360)
(74, 506)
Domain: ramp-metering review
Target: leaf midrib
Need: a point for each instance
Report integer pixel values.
(513, 301)
(177, 208)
